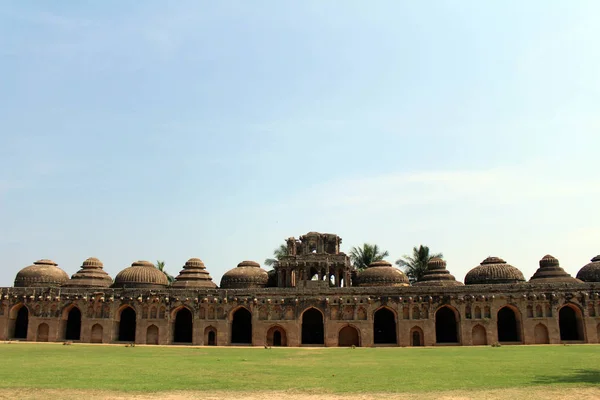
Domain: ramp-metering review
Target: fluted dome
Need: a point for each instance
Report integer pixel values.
(590, 272)
(550, 271)
(248, 274)
(42, 273)
(437, 275)
(141, 274)
(381, 273)
(91, 274)
(194, 275)
(493, 270)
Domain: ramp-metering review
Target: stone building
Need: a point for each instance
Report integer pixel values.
(315, 298)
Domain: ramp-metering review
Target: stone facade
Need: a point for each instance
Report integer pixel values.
(319, 301)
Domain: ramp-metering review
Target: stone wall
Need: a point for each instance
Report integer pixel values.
(419, 315)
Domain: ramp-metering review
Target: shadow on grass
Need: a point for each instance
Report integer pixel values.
(591, 376)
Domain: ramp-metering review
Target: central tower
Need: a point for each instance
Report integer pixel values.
(314, 259)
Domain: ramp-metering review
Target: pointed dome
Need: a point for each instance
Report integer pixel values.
(248, 274)
(437, 275)
(550, 271)
(194, 275)
(381, 273)
(42, 273)
(493, 270)
(91, 274)
(590, 272)
(141, 274)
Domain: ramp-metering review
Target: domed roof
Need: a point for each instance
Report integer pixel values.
(91, 274)
(590, 272)
(248, 274)
(194, 275)
(141, 274)
(42, 273)
(550, 271)
(493, 270)
(437, 275)
(381, 273)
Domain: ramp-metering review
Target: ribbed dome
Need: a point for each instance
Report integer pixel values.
(194, 275)
(550, 271)
(437, 275)
(141, 274)
(381, 273)
(91, 274)
(590, 272)
(493, 270)
(248, 274)
(42, 273)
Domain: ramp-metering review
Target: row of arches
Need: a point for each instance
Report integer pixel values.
(312, 332)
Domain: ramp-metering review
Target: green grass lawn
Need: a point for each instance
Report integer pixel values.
(150, 369)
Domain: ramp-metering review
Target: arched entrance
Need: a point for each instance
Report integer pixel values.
(570, 324)
(127, 325)
(348, 336)
(210, 336)
(184, 328)
(479, 336)
(73, 328)
(509, 329)
(21, 323)
(241, 327)
(416, 336)
(313, 331)
(446, 326)
(43, 332)
(97, 333)
(152, 334)
(384, 327)
(540, 334)
(276, 336)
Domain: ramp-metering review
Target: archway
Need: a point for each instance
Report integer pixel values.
(446, 327)
(313, 330)
(184, 327)
(508, 325)
(43, 332)
(210, 336)
(152, 334)
(569, 322)
(540, 334)
(416, 337)
(241, 326)
(276, 336)
(97, 333)
(384, 327)
(21, 323)
(348, 337)
(479, 336)
(127, 325)
(73, 328)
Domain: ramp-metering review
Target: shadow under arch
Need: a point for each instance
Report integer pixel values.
(313, 327)
(570, 323)
(276, 336)
(126, 323)
(385, 329)
(18, 321)
(183, 325)
(508, 323)
(241, 325)
(447, 320)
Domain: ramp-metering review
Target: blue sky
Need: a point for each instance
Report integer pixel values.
(163, 131)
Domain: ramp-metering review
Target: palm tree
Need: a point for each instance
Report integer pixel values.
(415, 266)
(362, 257)
(278, 253)
(160, 265)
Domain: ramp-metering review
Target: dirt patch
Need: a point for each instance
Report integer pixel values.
(536, 393)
